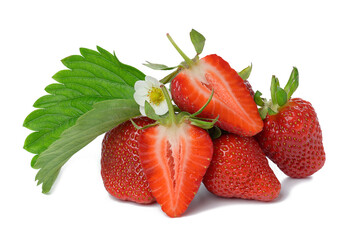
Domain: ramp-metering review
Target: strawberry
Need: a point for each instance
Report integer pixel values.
(240, 169)
(232, 102)
(291, 137)
(121, 169)
(174, 159)
(175, 155)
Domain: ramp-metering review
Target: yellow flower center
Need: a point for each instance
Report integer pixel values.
(156, 96)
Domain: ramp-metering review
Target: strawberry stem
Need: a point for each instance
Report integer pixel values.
(184, 56)
(170, 76)
(171, 111)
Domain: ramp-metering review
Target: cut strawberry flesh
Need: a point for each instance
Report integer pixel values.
(232, 101)
(175, 160)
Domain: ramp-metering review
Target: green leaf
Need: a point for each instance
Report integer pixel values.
(245, 73)
(92, 77)
(156, 66)
(103, 117)
(281, 96)
(198, 41)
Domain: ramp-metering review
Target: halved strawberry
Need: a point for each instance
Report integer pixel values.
(175, 158)
(231, 101)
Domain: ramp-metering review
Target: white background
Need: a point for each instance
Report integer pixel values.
(318, 37)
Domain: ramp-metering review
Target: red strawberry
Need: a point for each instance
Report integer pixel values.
(121, 169)
(196, 79)
(291, 137)
(232, 101)
(174, 159)
(175, 153)
(240, 169)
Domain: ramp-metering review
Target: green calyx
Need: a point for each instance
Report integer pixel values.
(279, 96)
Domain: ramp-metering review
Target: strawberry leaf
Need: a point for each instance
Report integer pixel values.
(92, 77)
(103, 117)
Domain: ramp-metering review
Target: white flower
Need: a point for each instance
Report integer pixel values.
(149, 90)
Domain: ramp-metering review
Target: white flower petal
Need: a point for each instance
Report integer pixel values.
(153, 81)
(140, 98)
(142, 91)
(142, 85)
(160, 109)
(142, 111)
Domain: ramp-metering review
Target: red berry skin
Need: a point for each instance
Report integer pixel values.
(121, 169)
(240, 169)
(249, 87)
(292, 139)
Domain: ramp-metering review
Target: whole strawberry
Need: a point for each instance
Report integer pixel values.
(121, 169)
(291, 137)
(240, 169)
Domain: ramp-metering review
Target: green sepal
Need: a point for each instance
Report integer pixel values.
(198, 41)
(258, 100)
(292, 83)
(204, 106)
(271, 111)
(215, 132)
(144, 127)
(273, 89)
(204, 124)
(245, 73)
(156, 66)
(263, 112)
(150, 112)
(281, 96)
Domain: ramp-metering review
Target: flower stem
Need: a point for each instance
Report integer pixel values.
(171, 111)
(184, 56)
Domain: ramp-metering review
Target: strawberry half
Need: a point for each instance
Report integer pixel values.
(174, 159)
(175, 153)
(232, 101)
